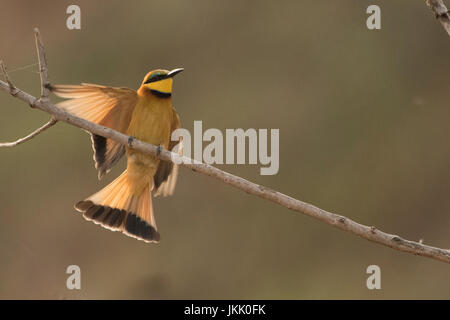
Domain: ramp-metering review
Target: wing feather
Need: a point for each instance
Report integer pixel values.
(111, 107)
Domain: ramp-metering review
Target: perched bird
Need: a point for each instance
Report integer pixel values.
(146, 114)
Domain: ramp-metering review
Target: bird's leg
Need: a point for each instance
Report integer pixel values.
(130, 141)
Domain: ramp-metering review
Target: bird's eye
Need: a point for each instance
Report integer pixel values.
(155, 77)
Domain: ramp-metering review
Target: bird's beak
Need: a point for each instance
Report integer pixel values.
(174, 72)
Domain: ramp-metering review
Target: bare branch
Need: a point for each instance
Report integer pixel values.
(367, 232)
(341, 222)
(43, 70)
(441, 12)
(39, 130)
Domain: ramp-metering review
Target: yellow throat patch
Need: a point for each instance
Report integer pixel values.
(164, 86)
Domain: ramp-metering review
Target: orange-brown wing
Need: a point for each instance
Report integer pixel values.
(166, 175)
(106, 106)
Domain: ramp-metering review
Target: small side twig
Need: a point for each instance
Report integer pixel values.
(45, 92)
(12, 88)
(39, 130)
(43, 70)
(441, 12)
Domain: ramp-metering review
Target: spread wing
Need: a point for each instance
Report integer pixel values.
(107, 106)
(167, 172)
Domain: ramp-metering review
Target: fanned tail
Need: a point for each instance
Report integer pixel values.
(117, 208)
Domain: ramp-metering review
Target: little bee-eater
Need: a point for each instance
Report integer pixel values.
(146, 114)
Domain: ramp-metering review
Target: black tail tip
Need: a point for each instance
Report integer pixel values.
(140, 229)
(118, 219)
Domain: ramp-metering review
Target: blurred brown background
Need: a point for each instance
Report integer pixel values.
(363, 118)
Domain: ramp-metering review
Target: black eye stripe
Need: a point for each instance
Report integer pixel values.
(156, 77)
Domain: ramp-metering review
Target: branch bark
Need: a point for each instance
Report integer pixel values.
(441, 12)
(338, 221)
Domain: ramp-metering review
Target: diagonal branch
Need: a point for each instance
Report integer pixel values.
(39, 130)
(338, 221)
(441, 12)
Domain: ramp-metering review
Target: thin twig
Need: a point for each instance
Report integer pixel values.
(12, 88)
(338, 221)
(45, 83)
(441, 12)
(39, 130)
(5, 73)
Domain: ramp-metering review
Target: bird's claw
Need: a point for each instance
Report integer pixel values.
(443, 15)
(130, 141)
(158, 150)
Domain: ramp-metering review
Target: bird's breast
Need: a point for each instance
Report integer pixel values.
(151, 122)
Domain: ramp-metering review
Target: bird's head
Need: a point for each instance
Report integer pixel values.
(159, 82)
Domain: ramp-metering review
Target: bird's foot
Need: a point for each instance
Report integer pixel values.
(445, 15)
(158, 150)
(130, 141)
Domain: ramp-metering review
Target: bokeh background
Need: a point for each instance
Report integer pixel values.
(364, 132)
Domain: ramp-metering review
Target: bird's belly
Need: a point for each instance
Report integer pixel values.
(152, 127)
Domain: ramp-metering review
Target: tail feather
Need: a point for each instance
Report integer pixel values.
(117, 208)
